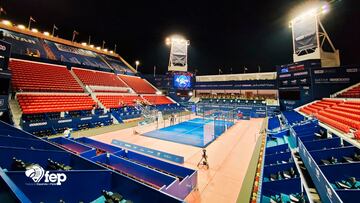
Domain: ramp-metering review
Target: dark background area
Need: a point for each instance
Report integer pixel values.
(223, 34)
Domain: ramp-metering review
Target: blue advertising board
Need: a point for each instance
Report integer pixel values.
(148, 151)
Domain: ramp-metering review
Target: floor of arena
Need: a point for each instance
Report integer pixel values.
(229, 157)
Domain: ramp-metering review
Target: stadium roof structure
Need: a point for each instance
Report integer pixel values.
(7, 25)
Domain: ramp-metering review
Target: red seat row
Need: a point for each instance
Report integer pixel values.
(33, 76)
(315, 106)
(110, 91)
(46, 103)
(345, 120)
(307, 111)
(343, 113)
(351, 93)
(158, 100)
(98, 78)
(350, 105)
(329, 100)
(139, 85)
(116, 101)
(333, 123)
(355, 117)
(349, 110)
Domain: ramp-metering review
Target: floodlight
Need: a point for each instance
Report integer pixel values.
(325, 9)
(168, 41)
(92, 46)
(47, 33)
(22, 27)
(34, 30)
(315, 11)
(98, 48)
(6, 22)
(83, 43)
(190, 94)
(105, 50)
(176, 38)
(111, 52)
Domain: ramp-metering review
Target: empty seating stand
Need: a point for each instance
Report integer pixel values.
(351, 93)
(101, 81)
(116, 101)
(33, 76)
(343, 115)
(158, 100)
(45, 103)
(139, 85)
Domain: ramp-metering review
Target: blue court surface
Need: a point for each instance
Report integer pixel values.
(190, 132)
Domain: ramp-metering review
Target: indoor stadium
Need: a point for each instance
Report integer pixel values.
(161, 102)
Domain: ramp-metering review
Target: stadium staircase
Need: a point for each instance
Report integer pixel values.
(15, 112)
(194, 99)
(116, 118)
(148, 114)
(79, 81)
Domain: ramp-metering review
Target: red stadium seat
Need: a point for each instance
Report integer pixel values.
(306, 111)
(345, 120)
(46, 103)
(116, 101)
(349, 110)
(98, 78)
(33, 76)
(333, 123)
(139, 85)
(350, 105)
(339, 112)
(351, 93)
(357, 135)
(344, 114)
(158, 100)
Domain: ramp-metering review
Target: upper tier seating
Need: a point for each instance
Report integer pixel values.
(32, 76)
(45, 103)
(343, 115)
(158, 100)
(98, 78)
(139, 85)
(351, 93)
(116, 101)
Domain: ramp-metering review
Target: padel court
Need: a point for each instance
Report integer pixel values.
(197, 132)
